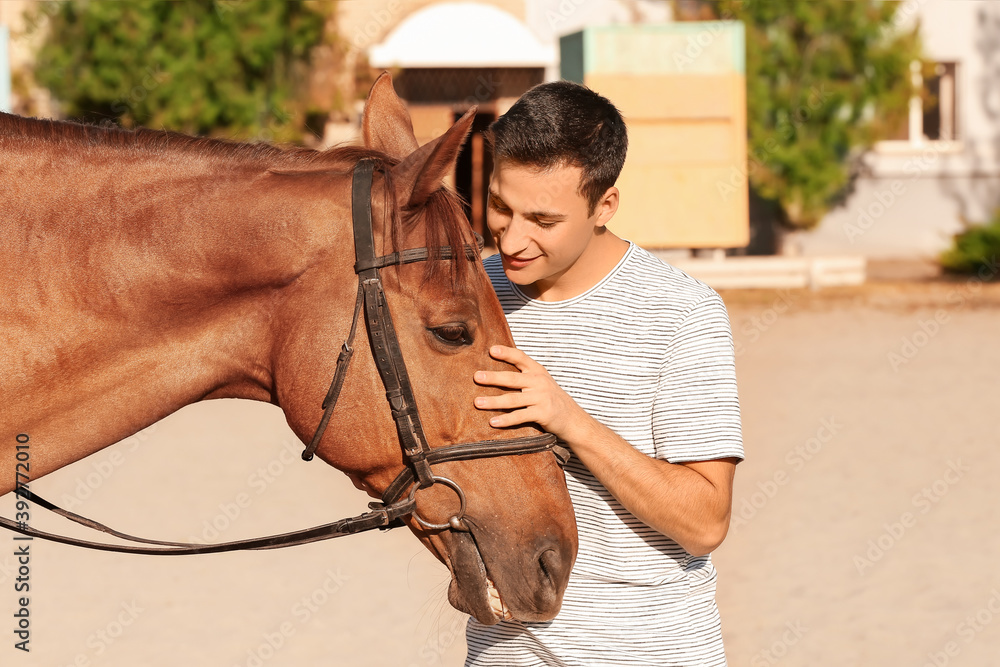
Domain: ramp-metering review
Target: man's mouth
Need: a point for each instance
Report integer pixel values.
(518, 262)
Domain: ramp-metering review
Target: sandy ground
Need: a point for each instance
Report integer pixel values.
(864, 530)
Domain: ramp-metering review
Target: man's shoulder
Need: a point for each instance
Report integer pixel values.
(495, 272)
(649, 279)
(492, 262)
(641, 281)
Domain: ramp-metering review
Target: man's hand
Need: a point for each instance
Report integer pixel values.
(535, 396)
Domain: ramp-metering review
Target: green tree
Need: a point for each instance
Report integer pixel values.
(233, 68)
(825, 80)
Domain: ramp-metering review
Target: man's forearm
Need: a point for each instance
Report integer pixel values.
(690, 503)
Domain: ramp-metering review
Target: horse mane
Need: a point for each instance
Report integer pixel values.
(147, 141)
(444, 206)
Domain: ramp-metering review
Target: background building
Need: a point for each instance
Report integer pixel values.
(449, 56)
(940, 173)
(935, 177)
(27, 99)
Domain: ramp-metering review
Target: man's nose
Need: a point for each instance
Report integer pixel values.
(514, 236)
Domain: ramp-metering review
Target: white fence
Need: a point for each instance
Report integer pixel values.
(774, 272)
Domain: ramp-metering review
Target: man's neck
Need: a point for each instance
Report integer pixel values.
(601, 256)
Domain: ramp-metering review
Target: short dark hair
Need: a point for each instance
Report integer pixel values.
(564, 123)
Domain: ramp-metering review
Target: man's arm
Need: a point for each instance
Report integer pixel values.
(688, 502)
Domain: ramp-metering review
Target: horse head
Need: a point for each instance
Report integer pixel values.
(517, 538)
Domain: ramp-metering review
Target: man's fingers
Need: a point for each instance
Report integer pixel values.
(502, 402)
(504, 353)
(515, 418)
(513, 356)
(505, 379)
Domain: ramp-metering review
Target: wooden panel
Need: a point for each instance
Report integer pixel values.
(671, 96)
(682, 207)
(430, 120)
(681, 143)
(682, 90)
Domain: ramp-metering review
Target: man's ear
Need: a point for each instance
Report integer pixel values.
(607, 206)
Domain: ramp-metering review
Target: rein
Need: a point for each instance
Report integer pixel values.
(394, 505)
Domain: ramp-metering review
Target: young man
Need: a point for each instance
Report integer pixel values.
(630, 363)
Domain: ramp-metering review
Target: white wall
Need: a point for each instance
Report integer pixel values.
(917, 197)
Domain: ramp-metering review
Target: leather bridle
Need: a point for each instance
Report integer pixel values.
(399, 498)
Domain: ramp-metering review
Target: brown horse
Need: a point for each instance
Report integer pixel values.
(143, 271)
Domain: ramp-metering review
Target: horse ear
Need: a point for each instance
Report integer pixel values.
(386, 124)
(422, 172)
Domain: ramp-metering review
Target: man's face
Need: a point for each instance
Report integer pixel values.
(541, 224)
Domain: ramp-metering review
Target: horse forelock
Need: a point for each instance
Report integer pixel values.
(444, 223)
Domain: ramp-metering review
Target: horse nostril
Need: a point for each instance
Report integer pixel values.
(550, 564)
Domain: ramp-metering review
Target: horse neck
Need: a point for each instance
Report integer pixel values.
(132, 297)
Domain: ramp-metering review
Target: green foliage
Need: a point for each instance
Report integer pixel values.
(234, 68)
(975, 250)
(825, 80)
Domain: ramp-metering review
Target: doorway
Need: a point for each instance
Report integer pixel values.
(472, 175)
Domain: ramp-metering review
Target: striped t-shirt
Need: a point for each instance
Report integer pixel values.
(648, 352)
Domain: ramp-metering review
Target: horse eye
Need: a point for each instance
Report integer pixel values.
(452, 334)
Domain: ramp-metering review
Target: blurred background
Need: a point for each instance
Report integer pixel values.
(830, 167)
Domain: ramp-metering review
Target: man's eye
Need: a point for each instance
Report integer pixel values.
(453, 334)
